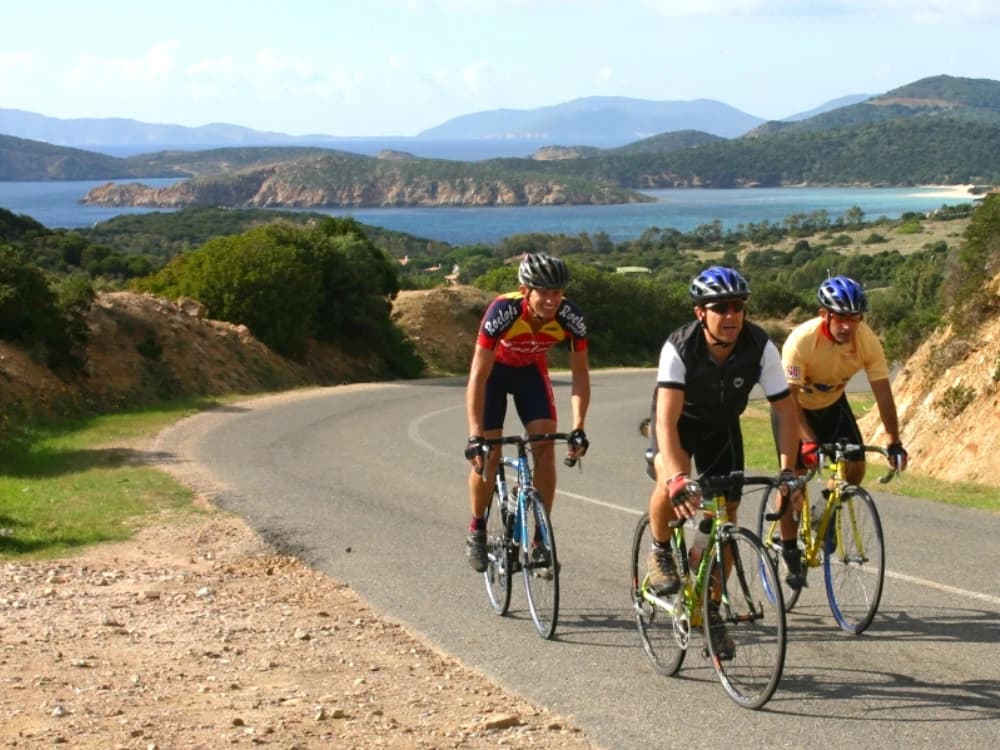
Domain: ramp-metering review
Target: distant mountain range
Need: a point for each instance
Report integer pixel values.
(939, 130)
(594, 121)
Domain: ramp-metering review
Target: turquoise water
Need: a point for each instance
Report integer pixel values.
(54, 204)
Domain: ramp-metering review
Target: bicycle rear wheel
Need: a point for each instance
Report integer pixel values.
(540, 566)
(497, 574)
(770, 537)
(656, 624)
(746, 633)
(854, 561)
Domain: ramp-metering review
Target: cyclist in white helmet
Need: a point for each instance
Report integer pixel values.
(511, 358)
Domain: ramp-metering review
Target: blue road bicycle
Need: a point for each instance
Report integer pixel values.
(519, 536)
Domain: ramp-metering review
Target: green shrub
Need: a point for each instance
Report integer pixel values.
(955, 400)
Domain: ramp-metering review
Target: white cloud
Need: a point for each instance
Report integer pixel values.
(274, 63)
(472, 77)
(921, 11)
(15, 61)
(105, 74)
(603, 74)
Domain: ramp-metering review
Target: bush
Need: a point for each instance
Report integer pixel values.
(33, 314)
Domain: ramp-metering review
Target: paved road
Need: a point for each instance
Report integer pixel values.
(367, 483)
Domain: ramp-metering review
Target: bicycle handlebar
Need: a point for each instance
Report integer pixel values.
(523, 440)
(841, 448)
(712, 485)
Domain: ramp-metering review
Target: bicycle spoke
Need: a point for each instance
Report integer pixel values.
(663, 639)
(770, 537)
(746, 638)
(540, 567)
(854, 561)
(497, 574)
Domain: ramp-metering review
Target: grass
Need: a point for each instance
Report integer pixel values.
(760, 454)
(69, 485)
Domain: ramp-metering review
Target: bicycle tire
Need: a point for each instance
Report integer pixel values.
(769, 533)
(497, 574)
(541, 580)
(752, 628)
(854, 561)
(661, 643)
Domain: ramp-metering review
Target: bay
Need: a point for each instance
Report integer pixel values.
(55, 204)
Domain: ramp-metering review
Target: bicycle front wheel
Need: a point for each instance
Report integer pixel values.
(663, 640)
(744, 619)
(854, 561)
(770, 537)
(540, 566)
(497, 573)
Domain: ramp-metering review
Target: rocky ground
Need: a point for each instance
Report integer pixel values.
(200, 636)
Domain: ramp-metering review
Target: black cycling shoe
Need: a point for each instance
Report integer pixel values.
(796, 577)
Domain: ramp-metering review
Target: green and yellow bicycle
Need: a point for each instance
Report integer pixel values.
(842, 532)
(731, 593)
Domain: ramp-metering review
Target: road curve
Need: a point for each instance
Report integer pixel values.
(367, 484)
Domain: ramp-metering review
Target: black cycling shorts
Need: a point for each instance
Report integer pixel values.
(532, 391)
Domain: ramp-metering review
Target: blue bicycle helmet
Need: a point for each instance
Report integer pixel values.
(842, 295)
(718, 282)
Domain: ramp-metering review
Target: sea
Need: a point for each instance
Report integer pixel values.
(57, 205)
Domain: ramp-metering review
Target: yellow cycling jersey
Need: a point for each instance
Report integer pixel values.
(820, 367)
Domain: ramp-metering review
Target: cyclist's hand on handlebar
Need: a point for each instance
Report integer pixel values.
(684, 495)
(578, 443)
(898, 457)
(789, 483)
(475, 450)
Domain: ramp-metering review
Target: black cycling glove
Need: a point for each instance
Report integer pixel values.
(474, 447)
(579, 439)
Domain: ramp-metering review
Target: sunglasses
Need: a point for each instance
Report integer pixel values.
(721, 308)
(846, 318)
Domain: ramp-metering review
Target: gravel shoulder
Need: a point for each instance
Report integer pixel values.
(197, 634)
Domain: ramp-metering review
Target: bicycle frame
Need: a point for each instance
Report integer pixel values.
(833, 462)
(685, 608)
(518, 532)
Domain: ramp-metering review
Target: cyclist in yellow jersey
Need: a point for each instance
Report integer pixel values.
(820, 356)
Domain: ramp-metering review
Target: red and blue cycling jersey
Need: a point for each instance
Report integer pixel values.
(506, 328)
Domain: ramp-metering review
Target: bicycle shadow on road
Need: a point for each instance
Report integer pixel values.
(904, 696)
(942, 624)
(836, 693)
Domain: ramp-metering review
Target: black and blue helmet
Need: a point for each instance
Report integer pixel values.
(842, 295)
(718, 282)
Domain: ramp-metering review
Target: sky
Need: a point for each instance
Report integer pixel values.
(397, 67)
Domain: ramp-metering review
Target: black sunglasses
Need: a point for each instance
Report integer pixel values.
(721, 308)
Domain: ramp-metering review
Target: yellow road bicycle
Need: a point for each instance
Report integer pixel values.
(842, 532)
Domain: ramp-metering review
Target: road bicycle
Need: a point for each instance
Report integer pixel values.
(843, 533)
(730, 591)
(519, 536)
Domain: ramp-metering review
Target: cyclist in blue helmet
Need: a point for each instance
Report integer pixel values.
(820, 356)
(706, 371)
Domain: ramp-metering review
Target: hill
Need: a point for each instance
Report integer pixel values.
(599, 121)
(947, 395)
